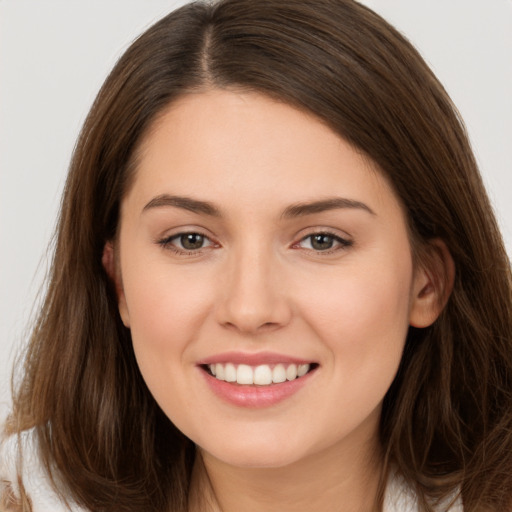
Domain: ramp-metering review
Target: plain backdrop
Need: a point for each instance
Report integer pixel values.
(54, 55)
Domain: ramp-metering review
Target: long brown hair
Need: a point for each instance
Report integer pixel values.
(447, 419)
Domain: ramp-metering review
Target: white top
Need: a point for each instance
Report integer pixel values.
(399, 497)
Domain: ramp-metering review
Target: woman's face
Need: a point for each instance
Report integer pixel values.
(257, 244)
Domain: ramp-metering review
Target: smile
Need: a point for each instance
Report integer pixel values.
(261, 375)
(258, 380)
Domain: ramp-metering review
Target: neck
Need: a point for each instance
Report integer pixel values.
(340, 479)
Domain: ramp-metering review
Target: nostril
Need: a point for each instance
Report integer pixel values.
(250, 327)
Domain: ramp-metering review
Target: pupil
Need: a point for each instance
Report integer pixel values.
(322, 242)
(192, 241)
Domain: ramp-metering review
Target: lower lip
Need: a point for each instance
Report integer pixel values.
(255, 396)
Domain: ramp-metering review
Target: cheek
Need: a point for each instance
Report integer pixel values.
(167, 311)
(363, 323)
(166, 306)
(363, 313)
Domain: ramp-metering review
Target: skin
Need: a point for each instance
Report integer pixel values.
(258, 284)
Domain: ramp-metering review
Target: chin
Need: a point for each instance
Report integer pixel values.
(257, 452)
(256, 458)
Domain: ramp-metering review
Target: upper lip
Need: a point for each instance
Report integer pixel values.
(253, 359)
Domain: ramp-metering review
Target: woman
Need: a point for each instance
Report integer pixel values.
(278, 282)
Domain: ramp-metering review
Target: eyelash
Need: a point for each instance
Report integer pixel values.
(342, 243)
(167, 243)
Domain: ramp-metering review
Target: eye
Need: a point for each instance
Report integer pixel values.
(186, 242)
(324, 242)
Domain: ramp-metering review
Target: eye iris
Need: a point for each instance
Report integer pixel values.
(322, 242)
(192, 241)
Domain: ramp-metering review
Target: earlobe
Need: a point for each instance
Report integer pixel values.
(110, 264)
(433, 284)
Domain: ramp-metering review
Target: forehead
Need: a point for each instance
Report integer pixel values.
(226, 145)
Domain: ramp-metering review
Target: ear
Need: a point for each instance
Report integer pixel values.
(433, 284)
(110, 263)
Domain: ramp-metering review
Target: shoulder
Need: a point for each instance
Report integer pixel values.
(19, 460)
(400, 497)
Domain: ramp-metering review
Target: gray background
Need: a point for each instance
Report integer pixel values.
(54, 56)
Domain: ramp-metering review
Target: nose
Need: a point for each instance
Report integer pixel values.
(254, 297)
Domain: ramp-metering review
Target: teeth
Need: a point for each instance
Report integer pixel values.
(262, 375)
(230, 373)
(278, 374)
(219, 371)
(244, 374)
(291, 372)
(302, 370)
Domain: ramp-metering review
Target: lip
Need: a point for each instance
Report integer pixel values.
(253, 359)
(254, 396)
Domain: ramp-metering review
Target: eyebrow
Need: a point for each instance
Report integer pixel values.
(333, 203)
(185, 203)
(292, 211)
